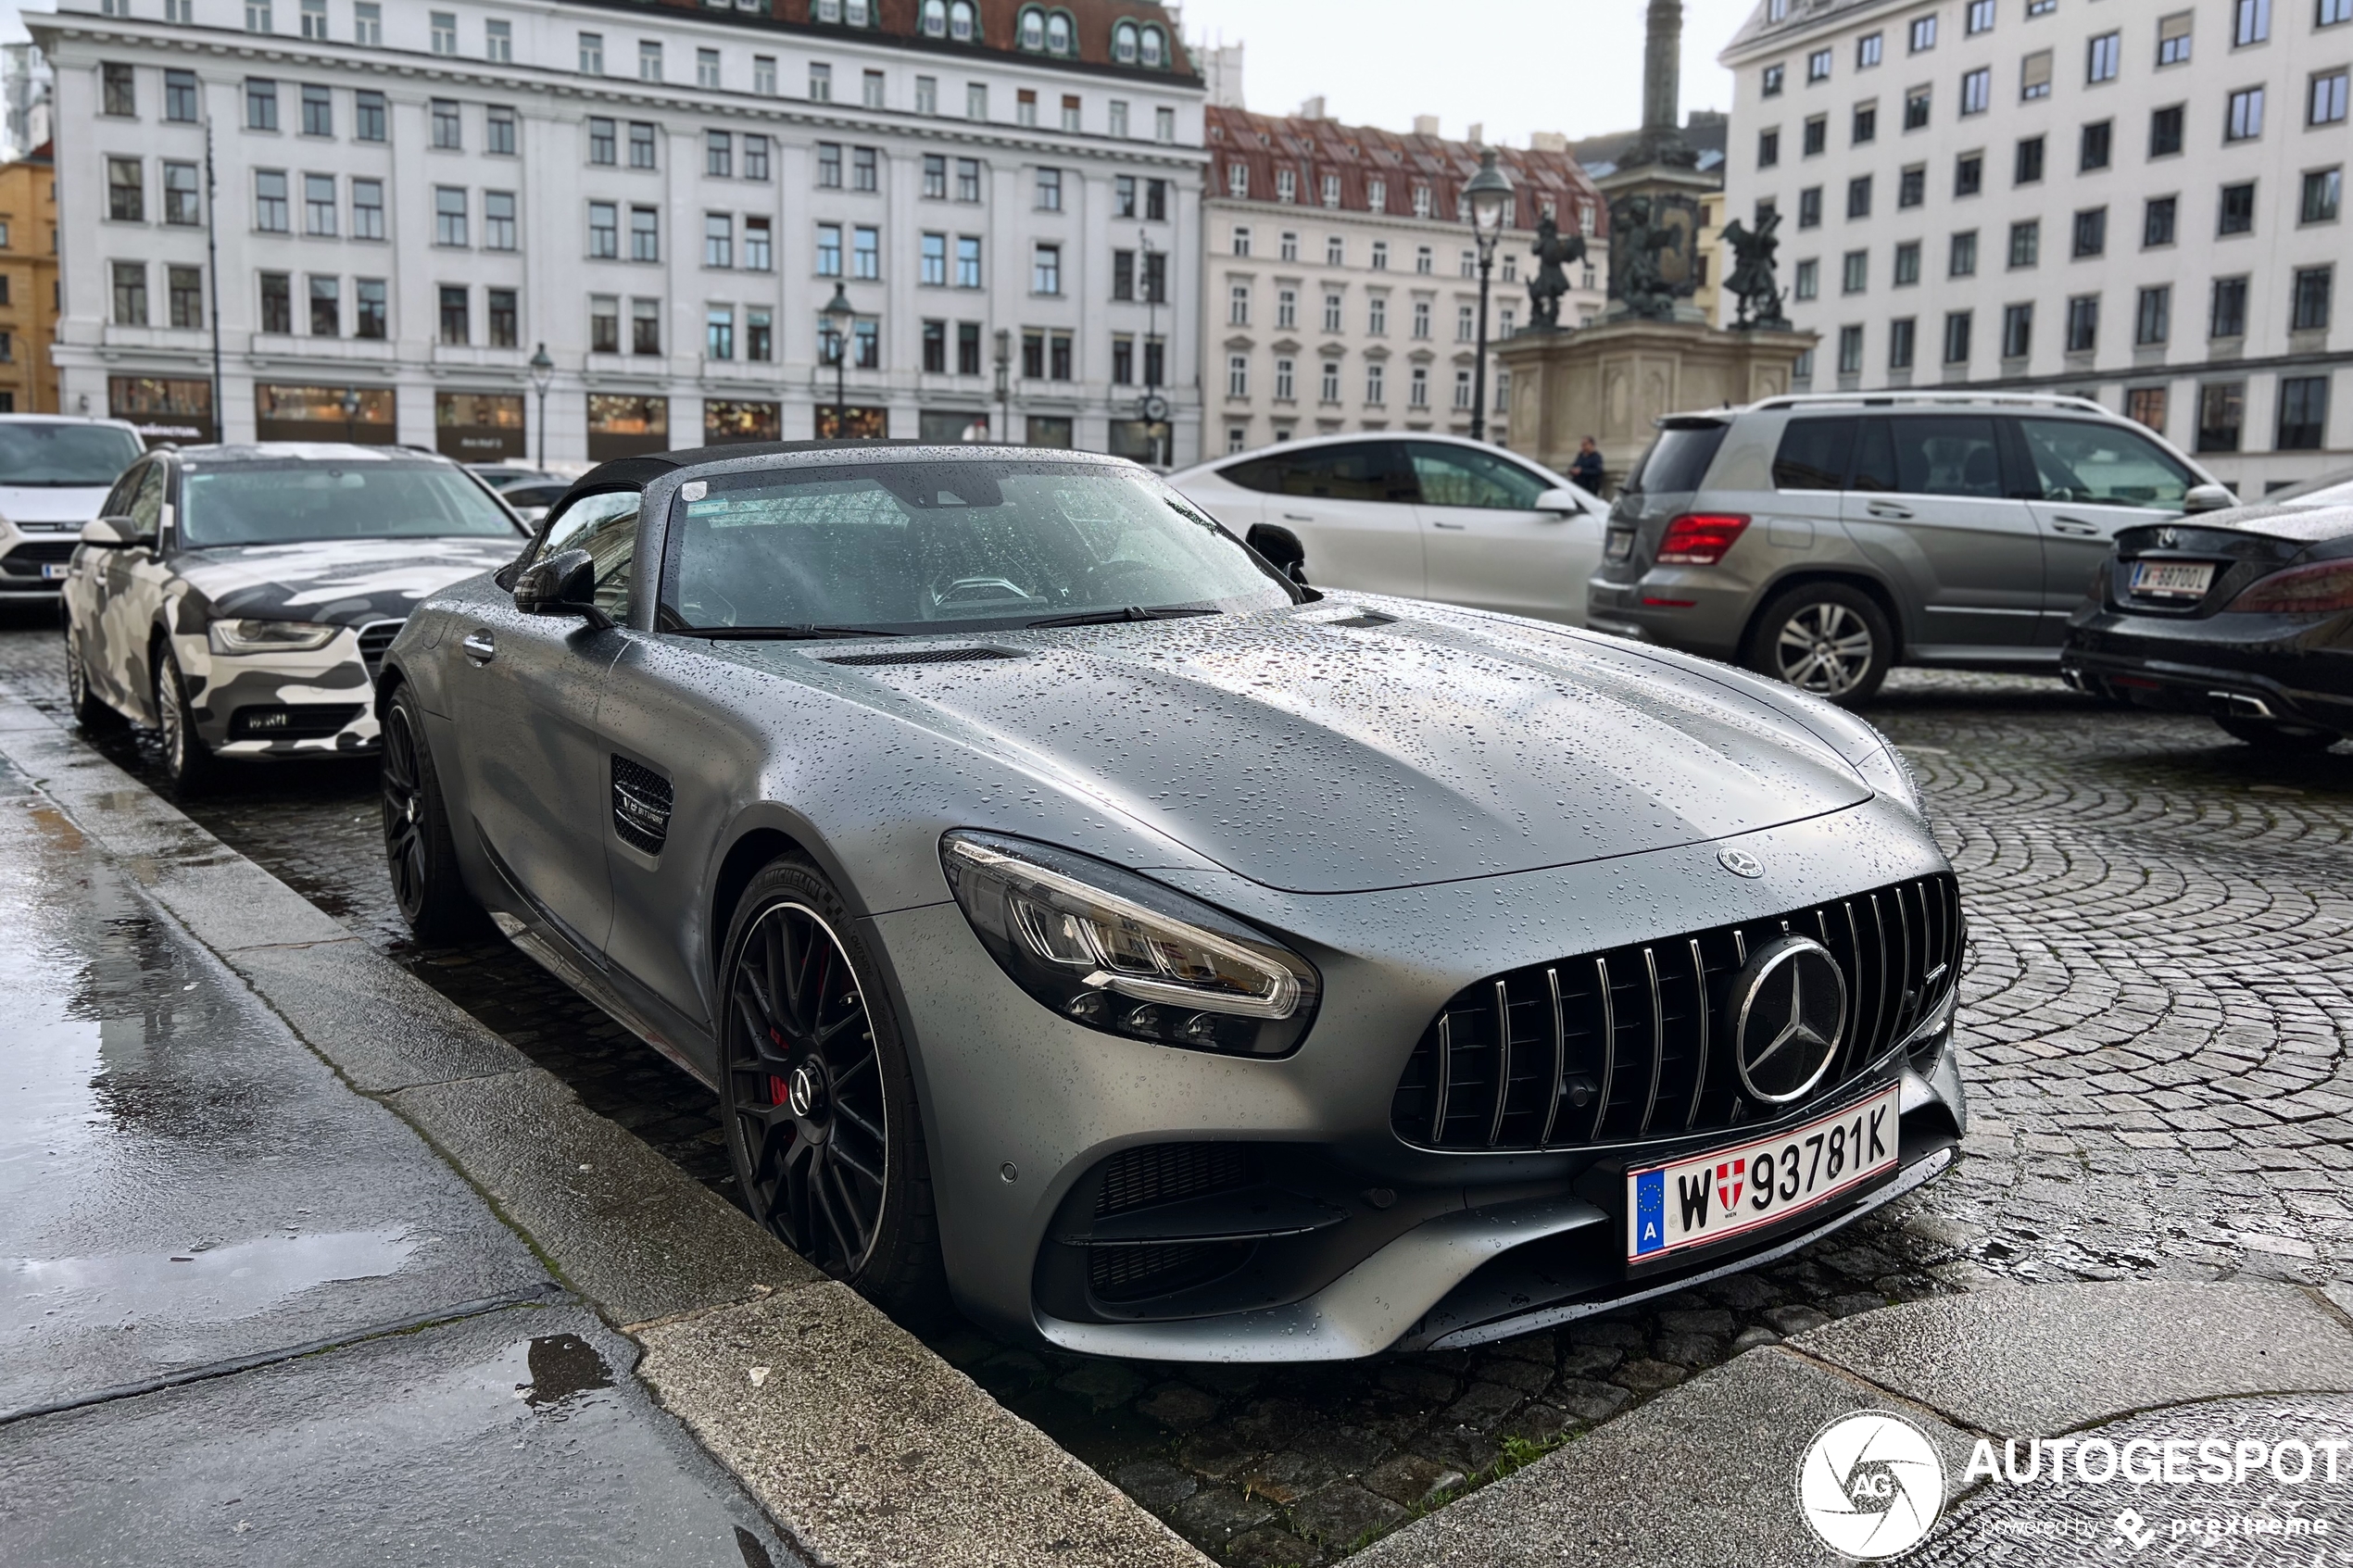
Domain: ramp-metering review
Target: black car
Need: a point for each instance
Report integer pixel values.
(2244, 614)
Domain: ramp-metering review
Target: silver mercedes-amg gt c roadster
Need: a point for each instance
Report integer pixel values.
(1085, 922)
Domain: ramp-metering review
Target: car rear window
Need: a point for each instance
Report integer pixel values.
(1678, 460)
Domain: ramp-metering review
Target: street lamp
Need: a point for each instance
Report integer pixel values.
(841, 316)
(543, 375)
(1004, 386)
(1487, 196)
(350, 401)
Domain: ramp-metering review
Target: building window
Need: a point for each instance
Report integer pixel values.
(648, 60)
(604, 231)
(2165, 131)
(257, 17)
(498, 40)
(457, 324)
(367, 210)
(1956, 337)
(1238, 375)
(501, 316)
(604, 324)
(1902, 335)
(1850, 351)
(277, 303)
(2026, 244)
(829, 165)
(1911, 186)
(641, 145)
(2096, 145)
(2237, 210)
(2083, 324)
(1968, 174)
(2028, 167)
(718, 239)
(181, 204)
(968, 262)
(2153, 317)
(1977, 90)
(1916, 105)
(2173, 39)
(1376, 383)
(1868, 50)
(445, 31)
(591, 54)
(1923, 34)
(1908, 264)
(1855, 271)
(718, 155)
(2322, 191)
(1816, 136)
(2226, 316)
(1808, 283)
(602, 147)
(1238, 306)
(1771, 82)
(184, 295)
(2250, 23)
(1859, 197)
(2328, 98)
(2304, 413)
(865, 253)
(932, 263)
(1963, 262)
(829, 250)
(449, 126)
(719, 333)
(1417, 387)
(126, 190)
(319, 205)
(1380, 256)
(2332, 12)
(2104, 57)
(1809, 207)
(1421, 319)
(326, 308)
(645, 233)
(261, 105)
(864, 169)
(968, 179)
(1327, 388)
(499, 132)
(2310, 293)
(2091, 233)
(116, 94)
(1331, 313)
(448, 215)
(1050, 197)
(2158, 222)
(2018, 331)
(180, 95)
(368, 309)
(1768, 149)
(1866, 126)
(1818, 67)
(758, 253)
(2221, 410)
(2246, 121)
(644, 326)
(1376, 315)
(1045, 269)
(1286, 381)
(269, 201)
(706, 67)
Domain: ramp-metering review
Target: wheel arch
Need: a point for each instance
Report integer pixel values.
(1804, 576)
(765, 833)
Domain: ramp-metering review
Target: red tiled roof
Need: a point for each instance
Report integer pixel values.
(1313, 149)
(1000, 25)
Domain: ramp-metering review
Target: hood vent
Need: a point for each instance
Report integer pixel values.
(1363, 620)
(919, 656)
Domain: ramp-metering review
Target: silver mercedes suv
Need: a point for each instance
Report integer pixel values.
(1822, 540)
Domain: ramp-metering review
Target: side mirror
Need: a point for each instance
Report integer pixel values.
(114, 533)
(1563, 502)
(1281, 548)
(2209, 498)
(563, 584)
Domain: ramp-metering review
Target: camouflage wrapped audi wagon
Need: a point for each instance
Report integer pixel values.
(240, 599)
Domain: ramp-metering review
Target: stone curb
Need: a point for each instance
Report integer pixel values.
(1704, 1474)
(864, 1446)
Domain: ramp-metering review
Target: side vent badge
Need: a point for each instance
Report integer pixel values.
(640, 805)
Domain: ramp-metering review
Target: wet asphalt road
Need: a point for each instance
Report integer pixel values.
(2157, 1023)
(248, 1316)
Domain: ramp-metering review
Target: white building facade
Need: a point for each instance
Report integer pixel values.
(408, 200)
(1342, 279)
(2140, 201)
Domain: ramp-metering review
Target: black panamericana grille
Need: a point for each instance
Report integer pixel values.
(641, 800)
(1636, 1042)
(373, 640)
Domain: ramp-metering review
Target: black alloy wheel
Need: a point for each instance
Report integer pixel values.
(419, 853)
(819, 1106)
(2286, 740)
(186, 759)
(1831, 639)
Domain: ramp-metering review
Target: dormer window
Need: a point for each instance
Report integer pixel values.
(1059, 35)
(1125, 43)
(960, 24)
(935, 20)
(1154, 51)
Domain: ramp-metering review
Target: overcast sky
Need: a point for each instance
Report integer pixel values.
(1516, 65)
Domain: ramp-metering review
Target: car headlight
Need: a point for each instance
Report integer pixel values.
(1116, 952)
(270, 636)
(1885, 770)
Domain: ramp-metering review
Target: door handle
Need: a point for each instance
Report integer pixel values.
(480, 646)
(1450, 527)
(1295, 517)
(2074, 525)
(1890, 510)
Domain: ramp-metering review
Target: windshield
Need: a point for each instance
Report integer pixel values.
(60, 456)
(936, 545)
(289, 502)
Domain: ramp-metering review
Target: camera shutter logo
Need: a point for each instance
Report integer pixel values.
(1870, 1486)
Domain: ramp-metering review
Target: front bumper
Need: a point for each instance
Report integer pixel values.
(33, 562)
(1393, 1246)
(283, 705)
(2288, 668)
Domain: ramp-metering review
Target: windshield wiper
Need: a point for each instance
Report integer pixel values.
(781, 633)
(1113, 617)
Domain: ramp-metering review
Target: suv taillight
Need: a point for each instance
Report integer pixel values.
(2319, 589)
(1700, 538)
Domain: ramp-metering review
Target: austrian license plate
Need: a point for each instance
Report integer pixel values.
(2172, 579)
(1710, 1198)
(54, 570)
(1618, 544)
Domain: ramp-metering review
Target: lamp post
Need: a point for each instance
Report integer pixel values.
(1487, 196)
(543, 375)
(1004, 386)
(350, 401)
(841, 316)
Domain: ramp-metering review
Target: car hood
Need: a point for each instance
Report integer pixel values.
(341, 581)
(1323, 757)
(54, 505)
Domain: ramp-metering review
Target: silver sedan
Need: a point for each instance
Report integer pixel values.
(1085, 925)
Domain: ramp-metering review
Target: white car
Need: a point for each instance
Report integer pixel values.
(1426, 517)
(54, 472)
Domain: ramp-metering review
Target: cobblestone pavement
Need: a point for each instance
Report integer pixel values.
(2158, 1013)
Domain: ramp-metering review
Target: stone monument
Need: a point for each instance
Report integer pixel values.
(1653, 352)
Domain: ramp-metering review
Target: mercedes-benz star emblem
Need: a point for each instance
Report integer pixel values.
(1740, 862)
(2166, 538)
(1789, 1012)
(803, 1090)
